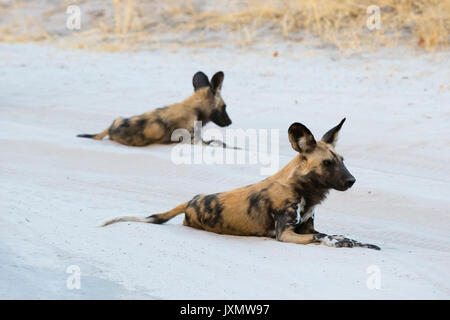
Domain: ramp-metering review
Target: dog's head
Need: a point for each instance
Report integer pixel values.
(319, 161)
(216, 106)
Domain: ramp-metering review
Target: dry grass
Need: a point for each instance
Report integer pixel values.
(133, 24)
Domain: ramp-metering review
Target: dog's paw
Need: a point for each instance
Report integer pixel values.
(370, 246)
(319, 236)
(334, 240)
(339, 241)
(216, 144)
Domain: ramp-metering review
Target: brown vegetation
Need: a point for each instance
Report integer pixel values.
(132, 24)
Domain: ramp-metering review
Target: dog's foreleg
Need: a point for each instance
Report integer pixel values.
(285, 224)
(306, 226)
(197, 139)
(289, 235)
(306, 219)
(286, 230)
(217, 144)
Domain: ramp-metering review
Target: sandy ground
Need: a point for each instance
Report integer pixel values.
(57, 189)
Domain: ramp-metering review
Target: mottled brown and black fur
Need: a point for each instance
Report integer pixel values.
(156, 126)
(281, 206)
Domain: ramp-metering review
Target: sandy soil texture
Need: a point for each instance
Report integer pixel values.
(57, 189)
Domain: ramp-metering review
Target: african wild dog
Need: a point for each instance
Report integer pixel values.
(157, 126)
(281, 206)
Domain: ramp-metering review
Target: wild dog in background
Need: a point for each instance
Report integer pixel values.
(281, 206)
(157, 126)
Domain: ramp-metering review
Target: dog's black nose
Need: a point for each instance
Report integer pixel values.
(349, 182)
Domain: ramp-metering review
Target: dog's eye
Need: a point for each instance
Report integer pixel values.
(327, 163)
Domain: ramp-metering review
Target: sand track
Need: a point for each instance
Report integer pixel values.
(56, 189)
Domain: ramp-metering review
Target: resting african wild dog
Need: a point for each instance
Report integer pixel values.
(157, 126)
(270, 208)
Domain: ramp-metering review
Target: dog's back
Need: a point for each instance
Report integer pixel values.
(156, 126)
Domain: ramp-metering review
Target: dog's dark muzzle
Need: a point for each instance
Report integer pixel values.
(346, 181)
(221, 118)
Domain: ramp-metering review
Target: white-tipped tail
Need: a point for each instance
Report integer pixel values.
(155, 218)
(123, 219)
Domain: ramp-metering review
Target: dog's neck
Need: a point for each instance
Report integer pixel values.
(200, 103)
(301, 181)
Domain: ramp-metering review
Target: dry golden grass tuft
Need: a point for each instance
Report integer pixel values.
(132, 24)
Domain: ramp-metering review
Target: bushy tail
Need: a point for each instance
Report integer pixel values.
(98, 136)
(155, 218)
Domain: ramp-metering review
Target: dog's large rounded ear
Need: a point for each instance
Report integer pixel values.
(216, 81)
(301, 138)
(331, 136)
(200, 80)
